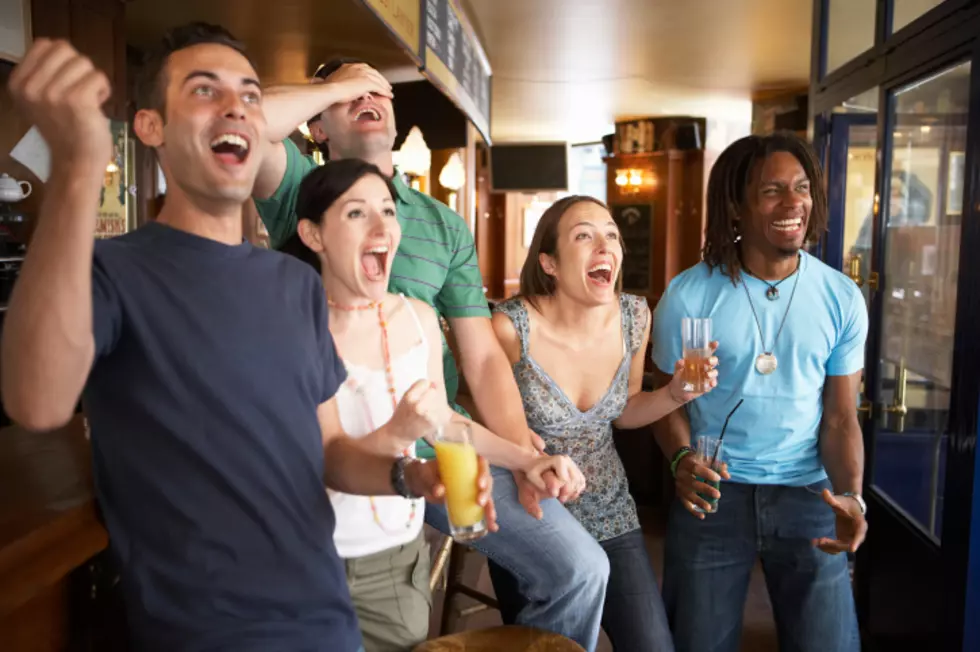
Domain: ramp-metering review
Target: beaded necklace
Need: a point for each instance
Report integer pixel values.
(390, 377)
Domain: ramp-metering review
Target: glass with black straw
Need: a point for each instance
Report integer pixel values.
(708, 452)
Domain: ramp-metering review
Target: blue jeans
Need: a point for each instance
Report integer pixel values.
(558, 565)
(633, 613)
(708, 565)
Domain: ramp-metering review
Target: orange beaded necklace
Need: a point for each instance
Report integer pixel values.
(390, 377)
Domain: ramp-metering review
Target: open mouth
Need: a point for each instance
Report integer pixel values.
(367, 114)
(230, 149)
(789, 227)
(374, 262)
(600, 274)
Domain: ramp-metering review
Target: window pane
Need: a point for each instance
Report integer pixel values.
(905, 11)
(850, 30)
(921, 265)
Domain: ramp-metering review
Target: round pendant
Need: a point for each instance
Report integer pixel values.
(772, 293)
(766, 363)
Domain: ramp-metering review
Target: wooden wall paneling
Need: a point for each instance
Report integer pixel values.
(490, 228)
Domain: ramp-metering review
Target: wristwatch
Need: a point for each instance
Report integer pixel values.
(398, 477)
(860, 501)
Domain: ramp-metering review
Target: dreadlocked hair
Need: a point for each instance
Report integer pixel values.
(728, 186)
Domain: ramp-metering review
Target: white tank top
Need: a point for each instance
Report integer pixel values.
(365, 405)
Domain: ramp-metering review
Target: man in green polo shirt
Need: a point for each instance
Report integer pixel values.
(562, 571)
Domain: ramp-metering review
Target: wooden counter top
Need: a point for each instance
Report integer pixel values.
(48, 520)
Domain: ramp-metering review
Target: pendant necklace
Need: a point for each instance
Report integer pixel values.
(766, 362)
(772, 293)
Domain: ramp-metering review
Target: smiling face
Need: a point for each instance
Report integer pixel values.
(357, 129)
(207, 141)
(777, 207)
(357, 238)
(589, 254)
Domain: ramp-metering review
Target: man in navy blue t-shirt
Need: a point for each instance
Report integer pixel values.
(203, 360)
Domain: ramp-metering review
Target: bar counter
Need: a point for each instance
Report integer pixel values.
(49, 527)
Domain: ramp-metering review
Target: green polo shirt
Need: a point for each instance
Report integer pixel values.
(436, 260)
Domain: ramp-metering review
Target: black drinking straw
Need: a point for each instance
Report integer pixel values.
(714, 458)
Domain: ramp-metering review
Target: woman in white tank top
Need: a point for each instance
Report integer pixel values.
(394, 393)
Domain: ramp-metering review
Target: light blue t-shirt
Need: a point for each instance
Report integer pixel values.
(773, 437)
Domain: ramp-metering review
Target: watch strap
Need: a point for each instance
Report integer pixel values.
(398, 483)
(858, 499)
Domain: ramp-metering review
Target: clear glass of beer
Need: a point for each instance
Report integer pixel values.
(459, 471)
(696, 335)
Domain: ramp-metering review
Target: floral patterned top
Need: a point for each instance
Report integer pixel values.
(606, 508)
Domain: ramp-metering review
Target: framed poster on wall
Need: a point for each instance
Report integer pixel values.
(116, 205)
(15, 29)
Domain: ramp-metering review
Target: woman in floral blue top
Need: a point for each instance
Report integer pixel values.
(577, 347)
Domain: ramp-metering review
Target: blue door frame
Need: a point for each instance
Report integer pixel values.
(831, 249)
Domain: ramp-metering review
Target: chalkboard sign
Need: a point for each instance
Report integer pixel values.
(453, 59)
(635, 222)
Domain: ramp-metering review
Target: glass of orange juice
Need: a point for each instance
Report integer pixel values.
(459, 470)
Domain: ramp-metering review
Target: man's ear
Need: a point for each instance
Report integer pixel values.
(317, 132)
(148, 125)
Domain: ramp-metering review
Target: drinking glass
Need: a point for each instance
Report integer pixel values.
(696, 335)
(708, 448)
(459, 470)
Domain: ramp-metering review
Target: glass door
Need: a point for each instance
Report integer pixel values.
(909, 380)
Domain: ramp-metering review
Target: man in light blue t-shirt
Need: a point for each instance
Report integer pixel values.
(791, 334)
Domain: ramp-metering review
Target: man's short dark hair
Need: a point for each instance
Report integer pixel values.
(332, 66)
(151, 83)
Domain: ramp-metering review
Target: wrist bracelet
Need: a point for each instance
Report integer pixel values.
(678, 456)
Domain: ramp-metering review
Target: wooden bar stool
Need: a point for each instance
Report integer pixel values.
(510, 638)
(453, 584)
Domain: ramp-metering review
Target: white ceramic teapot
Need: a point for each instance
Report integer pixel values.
(12, 190)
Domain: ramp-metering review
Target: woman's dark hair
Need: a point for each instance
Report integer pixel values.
(535, 282)
(728, 189)
(318, 192)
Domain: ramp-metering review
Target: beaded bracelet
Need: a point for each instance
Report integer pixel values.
(678, 456)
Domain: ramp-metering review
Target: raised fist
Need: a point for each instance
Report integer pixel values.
(62, 94)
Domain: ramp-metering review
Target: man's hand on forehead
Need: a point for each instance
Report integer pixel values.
(357, 79)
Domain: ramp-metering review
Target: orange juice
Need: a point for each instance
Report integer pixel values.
(458, 469)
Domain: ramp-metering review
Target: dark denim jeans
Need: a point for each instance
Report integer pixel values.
(633, 612)
(708, 565)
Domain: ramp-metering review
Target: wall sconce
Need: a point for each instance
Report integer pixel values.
(305, 130)
(414, 157)
(630, 180)
(452, 178)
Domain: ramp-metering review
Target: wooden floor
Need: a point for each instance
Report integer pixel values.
(758, 633)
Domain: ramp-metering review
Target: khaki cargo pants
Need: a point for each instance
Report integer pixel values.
(391, 595)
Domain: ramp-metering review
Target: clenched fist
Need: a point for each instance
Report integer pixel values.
(422, 410)
(62, 93)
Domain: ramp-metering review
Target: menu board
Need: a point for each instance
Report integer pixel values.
(635, 224)
(454, 60)
(403, 19)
